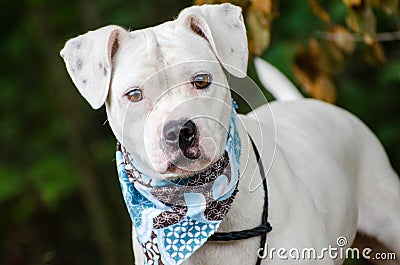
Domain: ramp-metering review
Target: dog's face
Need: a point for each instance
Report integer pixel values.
(165, 88)
(170, 110)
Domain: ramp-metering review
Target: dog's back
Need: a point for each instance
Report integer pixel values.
(305, 125)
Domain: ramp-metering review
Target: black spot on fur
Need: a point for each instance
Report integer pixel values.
(79, 64)
(77, 44)
(100, 65)
(232, 50)
(84, 81)
(105, 71)
(226, 9)
(234, 26)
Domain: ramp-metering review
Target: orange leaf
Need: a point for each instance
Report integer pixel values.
(306, 67)
(202, 2)
(375, 55)
(313, 72)
(324, 89)
(321, 87)
(319, 11)
(362, 20)
(258, 29)
(352, 22)
(265, 6)
(353, 3)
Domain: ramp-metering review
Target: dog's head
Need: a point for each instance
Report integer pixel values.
(165, 87)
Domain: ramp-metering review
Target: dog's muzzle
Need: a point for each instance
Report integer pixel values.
(181, 136)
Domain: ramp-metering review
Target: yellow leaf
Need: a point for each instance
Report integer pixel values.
(258, 29)
(342, 39)
(367, 20)
(363, 21)
(321, 87)
(352, 21)
(331, 58)
(202, 2)
(324, 89)
(265, 6)
(375, 55)
(389, 6)
(237, 2)
(313, 72)
(319, 11)
(303, 79)
(306, 67)
(352, 3)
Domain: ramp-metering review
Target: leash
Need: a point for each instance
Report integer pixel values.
(265, 226)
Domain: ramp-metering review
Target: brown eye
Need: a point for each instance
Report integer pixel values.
(135, 95)
(201, 81)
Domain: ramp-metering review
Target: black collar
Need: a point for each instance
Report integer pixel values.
(265, 226)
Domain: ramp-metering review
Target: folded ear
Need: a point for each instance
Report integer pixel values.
(88, 59)
(223, 27)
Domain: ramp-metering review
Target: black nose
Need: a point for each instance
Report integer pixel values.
(180, 133)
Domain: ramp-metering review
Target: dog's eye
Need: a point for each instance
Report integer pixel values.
(135, 95)
(201, 81)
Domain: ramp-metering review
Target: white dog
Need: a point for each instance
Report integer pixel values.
(329, 175)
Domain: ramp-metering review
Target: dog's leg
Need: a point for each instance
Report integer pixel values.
(378, 194)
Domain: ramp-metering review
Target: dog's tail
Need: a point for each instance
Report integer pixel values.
(276, 82)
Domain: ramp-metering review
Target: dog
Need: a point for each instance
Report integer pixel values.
(328, 175)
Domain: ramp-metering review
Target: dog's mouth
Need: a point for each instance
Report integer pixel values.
(195, 161)
(184, 166)
(212, 168)
(185, 161)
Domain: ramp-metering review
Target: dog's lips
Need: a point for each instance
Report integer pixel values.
(199, 165)
(178, 171)
(174, 169)
(175, 173)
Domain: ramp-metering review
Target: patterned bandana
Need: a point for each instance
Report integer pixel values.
(175, 218)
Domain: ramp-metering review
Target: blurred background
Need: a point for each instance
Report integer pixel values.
(60, 199)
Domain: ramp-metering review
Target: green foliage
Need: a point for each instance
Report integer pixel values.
(54, 149)
(54, 179)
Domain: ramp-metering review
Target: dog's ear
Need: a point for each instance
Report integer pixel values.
(223, 27)
(88, 59)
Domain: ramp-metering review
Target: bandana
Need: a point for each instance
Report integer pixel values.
(173, 219)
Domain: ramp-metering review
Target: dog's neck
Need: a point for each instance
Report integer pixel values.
(249, 187)
(242, 215)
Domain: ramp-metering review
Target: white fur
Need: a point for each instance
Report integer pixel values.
(330, 175)
(275, 82)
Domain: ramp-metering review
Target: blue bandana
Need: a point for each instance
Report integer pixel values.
(176, 218)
